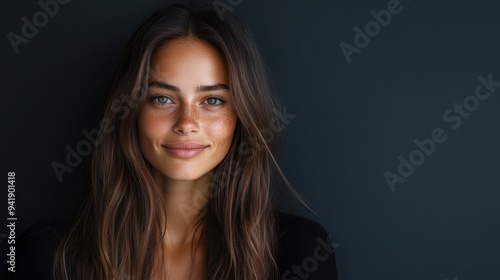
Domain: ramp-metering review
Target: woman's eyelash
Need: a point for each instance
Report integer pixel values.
(218, 100)
(211, 100)
(160, 99)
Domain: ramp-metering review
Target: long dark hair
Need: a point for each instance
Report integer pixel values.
(119, 231)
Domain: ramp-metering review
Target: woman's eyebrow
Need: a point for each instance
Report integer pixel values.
(163, 85)
(158, 84)
(215, 87)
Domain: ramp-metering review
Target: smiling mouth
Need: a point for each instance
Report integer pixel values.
(184, 149)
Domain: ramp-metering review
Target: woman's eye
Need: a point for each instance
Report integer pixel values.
(161, 100)
(213, 101)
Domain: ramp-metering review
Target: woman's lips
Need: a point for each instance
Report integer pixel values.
(185, 149)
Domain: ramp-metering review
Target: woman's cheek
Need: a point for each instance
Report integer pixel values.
(153, 123)
(224, 125)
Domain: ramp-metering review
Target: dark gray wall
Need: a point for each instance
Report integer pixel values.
(352, 121)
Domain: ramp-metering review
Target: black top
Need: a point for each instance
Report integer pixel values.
(305, 251)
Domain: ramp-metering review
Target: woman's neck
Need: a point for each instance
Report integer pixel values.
(184, 249)
(184, 201)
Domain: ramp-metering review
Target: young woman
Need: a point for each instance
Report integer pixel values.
(181, 179)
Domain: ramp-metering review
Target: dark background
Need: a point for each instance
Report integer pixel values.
(352, 121)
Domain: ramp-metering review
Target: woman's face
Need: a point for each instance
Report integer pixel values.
(187, 122)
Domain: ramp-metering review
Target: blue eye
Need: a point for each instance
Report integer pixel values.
(214, 101)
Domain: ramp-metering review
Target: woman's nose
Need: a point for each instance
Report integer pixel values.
(187, 120)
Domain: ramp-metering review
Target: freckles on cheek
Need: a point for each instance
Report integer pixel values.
(224, 124)
(150, 124)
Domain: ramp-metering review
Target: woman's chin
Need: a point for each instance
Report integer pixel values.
(183, 175)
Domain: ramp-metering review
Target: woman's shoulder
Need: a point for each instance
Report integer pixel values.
(35, 249)
(305, 249)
